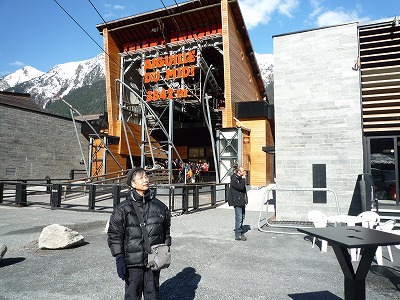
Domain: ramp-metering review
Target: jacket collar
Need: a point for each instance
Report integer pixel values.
(149, 195)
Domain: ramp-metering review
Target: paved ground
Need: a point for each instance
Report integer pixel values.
(207, 262)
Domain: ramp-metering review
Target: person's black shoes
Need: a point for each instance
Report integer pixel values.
(240, 237)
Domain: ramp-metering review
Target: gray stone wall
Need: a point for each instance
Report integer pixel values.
(38, 145)
(317, 117)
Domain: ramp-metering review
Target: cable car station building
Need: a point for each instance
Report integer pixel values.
(183, 84)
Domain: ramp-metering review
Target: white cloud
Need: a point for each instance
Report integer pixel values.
(317, 8)
(17, 63)
(339, 16)
(113, 11)
(118, 7)
(256, 12)
(287, 7)
(323, 16)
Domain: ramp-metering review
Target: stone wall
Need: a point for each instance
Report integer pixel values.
(37, 145)
(317, 117)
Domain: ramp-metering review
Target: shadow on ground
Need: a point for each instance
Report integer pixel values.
(390, 273)
(183, 286)
(326, 295)
(11, 261)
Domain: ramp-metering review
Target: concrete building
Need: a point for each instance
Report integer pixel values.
(336, 114)
(35, 144)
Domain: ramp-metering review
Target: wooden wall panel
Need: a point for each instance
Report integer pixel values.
(227, 116)
(183, 152)
(135, 143)
(112, 69)
(260, 162)
(380, 78)
(112, 166)
(240, 84)
(243, 84)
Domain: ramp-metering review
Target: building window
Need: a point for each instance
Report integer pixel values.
(11, 171)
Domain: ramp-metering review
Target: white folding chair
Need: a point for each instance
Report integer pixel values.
(387, 227)
(370, 220)
(319, 220)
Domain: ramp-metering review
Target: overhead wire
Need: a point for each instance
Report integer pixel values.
(83, 29)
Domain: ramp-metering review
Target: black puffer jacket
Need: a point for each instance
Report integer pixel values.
(124, 233)
(237, 194)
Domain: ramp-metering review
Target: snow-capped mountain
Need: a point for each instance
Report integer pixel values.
(61, 80)
(64, 78)
(19, 76)
(266, 65)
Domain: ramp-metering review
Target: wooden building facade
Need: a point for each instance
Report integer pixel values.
(174, 80)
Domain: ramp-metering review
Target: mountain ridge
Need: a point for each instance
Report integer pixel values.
(83, 80)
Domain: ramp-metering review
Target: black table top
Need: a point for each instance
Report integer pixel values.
(353, 236)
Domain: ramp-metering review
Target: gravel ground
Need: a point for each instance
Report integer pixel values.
(207, 262)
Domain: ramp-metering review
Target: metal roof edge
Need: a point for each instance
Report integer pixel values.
(313, 29)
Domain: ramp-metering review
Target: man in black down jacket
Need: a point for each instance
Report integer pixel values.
(237, 197)
(125, 237)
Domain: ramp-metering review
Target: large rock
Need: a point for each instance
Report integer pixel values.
(59, 237)
(3, 250)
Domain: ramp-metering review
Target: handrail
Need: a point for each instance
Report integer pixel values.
(265, 203)
(188, 196)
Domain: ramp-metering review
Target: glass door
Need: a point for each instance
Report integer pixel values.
(382, 163)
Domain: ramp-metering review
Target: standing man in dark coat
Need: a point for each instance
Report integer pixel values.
(125, 237)
(237, 197)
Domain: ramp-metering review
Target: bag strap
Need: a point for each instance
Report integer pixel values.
(142, 226)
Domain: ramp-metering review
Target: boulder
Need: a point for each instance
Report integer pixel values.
(59, 237)
(3, 250)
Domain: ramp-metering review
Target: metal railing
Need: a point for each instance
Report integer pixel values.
(267, 200)
(101, 196)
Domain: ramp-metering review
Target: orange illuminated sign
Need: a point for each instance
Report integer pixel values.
(175, 66)
(174, 37)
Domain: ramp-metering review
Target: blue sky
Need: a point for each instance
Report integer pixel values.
(38, 33)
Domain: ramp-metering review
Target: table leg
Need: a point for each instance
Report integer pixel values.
(354, 282)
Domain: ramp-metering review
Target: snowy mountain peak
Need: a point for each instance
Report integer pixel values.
(19, 76)
(266, 65)
(60, 80)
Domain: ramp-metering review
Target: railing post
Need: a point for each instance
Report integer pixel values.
(20, 193)
(185, 199)
(55, 197)
(171, 197)
(226, 191)
(24, 198)
(196, 201)
(92, 196)
(1, 191)
(116, 195)
(213, 194)
(48, 185)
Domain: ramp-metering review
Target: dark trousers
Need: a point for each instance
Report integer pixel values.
(240, 212)
(142, 281)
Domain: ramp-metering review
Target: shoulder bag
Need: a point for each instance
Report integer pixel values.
(159, 256)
